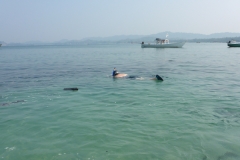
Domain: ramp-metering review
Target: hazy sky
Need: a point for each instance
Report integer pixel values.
(53, 20)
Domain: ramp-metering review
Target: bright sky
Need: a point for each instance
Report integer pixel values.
(54, 20)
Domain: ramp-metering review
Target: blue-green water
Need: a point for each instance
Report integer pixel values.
(193, 114)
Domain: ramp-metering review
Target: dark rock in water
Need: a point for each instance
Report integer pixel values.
(72, 89)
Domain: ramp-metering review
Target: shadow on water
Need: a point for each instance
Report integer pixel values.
(158, 81)
(229, 155)
(226, 156)
(7, 104)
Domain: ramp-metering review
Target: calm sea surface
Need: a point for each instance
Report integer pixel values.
(194, 114)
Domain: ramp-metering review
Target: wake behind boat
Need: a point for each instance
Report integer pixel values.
(162, 43)
(233, 44)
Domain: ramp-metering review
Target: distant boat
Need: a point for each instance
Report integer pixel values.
(162, 43)
(233, 44)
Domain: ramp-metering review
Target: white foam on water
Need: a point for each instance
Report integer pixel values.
(10, 148)
(141, 78)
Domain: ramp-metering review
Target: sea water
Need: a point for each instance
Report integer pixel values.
(193, 114)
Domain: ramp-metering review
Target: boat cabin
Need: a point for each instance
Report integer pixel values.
(232, 42)
(161, 41)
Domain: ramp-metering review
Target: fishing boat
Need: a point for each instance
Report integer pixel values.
(233, 44)
(162, 43)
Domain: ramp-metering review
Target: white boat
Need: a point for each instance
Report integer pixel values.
(120, 75)
(233, 44)
(162, 43)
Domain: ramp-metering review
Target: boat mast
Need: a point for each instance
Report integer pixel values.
(166, 40)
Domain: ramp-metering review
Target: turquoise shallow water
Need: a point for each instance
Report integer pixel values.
(193, 114)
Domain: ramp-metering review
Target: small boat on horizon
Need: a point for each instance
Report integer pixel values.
(162, 43)
(233, 43)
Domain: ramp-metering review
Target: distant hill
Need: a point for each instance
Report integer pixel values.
(3, 43)
(172, 36)
(221, 40)
(113, 38)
